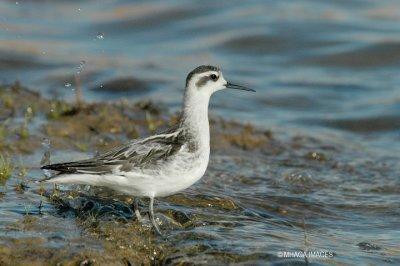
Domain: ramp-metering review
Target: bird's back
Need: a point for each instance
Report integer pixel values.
(160, 163)
(141, 153)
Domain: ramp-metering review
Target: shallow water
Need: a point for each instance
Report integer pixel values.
(323, 70)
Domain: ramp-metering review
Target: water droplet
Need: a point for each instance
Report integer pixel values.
(46, 143)
(47, 173)
(81, 66)
(46, 156)
(67, 85)
(100, 36)
(16, 2)
(29, 111)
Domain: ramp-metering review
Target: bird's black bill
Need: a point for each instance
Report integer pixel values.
(238, 87)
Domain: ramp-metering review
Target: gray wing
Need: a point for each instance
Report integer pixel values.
(139, 153)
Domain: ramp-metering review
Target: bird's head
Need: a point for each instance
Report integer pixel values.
(205, 80)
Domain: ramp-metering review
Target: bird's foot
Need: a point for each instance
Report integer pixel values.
(137, 211)
(152, 219)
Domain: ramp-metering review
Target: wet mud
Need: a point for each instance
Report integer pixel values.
(264, 192)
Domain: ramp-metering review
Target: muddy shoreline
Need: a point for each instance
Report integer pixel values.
(28, 119)
(262, 193)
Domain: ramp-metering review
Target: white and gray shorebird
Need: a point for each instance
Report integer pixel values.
(159, 165)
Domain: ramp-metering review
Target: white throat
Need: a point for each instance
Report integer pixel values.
(195, 114)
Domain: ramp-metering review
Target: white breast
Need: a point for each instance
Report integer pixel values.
(178, 173)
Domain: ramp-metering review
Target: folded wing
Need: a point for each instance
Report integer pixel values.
(140, 153)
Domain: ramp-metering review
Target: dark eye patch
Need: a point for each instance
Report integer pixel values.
(202, 81)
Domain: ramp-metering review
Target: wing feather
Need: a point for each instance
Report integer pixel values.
(139, 153)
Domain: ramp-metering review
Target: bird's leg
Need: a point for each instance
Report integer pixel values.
(151, 213)
(136, 209)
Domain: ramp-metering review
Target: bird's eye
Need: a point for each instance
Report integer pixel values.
(213, 77)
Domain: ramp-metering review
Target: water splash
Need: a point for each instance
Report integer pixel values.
(81, 66)
(100, 36)
(69, 85)
(46, 156)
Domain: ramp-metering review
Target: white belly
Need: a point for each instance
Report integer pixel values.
(174, 176)
(170, 177)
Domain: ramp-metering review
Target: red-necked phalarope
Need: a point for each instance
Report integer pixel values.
(159, 165)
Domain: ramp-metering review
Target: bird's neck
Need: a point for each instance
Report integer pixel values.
(195, 117)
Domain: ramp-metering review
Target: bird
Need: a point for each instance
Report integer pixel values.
(159, 165)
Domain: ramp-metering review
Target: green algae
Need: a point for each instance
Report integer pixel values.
(119, 238)
(6, 168)
(98, 126)
(246, 138)
(60, 109)
(203, 201)
(317, 156)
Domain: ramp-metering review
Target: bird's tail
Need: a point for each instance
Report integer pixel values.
(81, 179)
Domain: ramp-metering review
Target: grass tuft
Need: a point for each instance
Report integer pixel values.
(6, 168)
